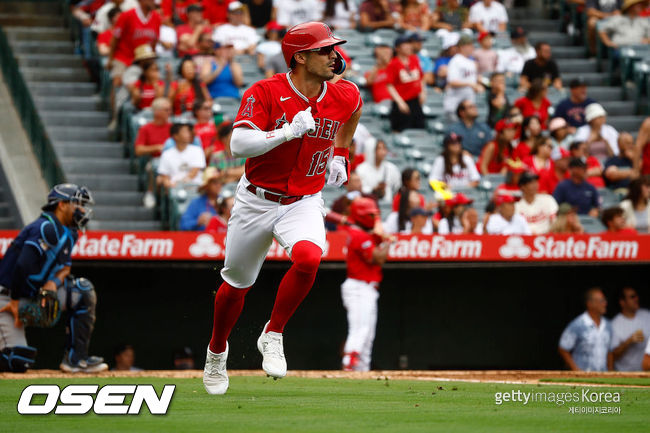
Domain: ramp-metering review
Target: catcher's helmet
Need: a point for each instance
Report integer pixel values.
(364, 212)
(69, 192)
(309, 36)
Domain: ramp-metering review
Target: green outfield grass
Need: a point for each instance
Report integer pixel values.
(256, 404)
(637, 381)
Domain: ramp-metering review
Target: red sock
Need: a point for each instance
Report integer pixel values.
(296, 283)
(228, 305)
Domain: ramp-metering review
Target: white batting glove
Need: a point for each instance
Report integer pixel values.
(338, 171)
(302, 123)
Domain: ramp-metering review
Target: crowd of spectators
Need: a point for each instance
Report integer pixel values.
(556, 159)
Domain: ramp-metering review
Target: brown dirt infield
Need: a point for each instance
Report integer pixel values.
(489, 376)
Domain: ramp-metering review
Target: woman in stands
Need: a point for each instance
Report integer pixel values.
(340, 14)
(148, 87)
(411, 181)
(540, 162)
(400, 221)
(531, 130)
(222, 74)
(453, 166)
(635, 206)
(453, 223)
(377, 14)
(188, 88)
(496, 152)
(535, 102)
(414, 16)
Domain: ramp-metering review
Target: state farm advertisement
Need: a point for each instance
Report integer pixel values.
(197, 246)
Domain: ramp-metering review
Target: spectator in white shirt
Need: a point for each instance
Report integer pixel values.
(244, 38)
(292, 12)
(340, 14)
(631, 328)
(400, 221)
(511, 60)
(462, 78)
(455, 167)
(601, 138)
(183, 163)
(488, 16)
(380, 178)
(457, 222)
(539, 210)
(505, 221)
(101, 23)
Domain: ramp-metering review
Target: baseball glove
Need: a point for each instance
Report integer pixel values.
(42, 311)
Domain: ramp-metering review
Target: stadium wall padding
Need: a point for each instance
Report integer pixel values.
(444, 316)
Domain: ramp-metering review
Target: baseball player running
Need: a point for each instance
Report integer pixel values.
(367, 251)
(36, 285)
(286, 127)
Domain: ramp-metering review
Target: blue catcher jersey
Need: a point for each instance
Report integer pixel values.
(39, 251)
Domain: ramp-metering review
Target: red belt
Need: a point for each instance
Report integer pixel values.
(274, 197)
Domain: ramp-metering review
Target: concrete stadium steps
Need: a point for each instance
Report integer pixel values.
(69, 103)
(73, 114)
(72, 89)
(43, 47)
(573, 63)
(103, 165)
(76, 118)
(37, 33)
(49, 60)
(7, 19)
(82, 149)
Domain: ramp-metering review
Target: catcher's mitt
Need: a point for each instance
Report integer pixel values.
(42, 311)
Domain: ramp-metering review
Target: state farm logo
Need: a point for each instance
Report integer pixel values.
(205, 246)
(514, 247)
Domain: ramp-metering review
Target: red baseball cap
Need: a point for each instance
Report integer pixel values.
(482, 35)
(505, 124)
(459, 199)
(505, 198)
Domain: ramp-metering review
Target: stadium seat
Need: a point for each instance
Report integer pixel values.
(591, 224)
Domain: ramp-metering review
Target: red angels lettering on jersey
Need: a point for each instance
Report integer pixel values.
(296, 167)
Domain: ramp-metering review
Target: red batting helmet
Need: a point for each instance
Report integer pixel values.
(307, 36)
(364, 212)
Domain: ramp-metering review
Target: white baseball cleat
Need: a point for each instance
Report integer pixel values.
(215, 376)
(270, 346)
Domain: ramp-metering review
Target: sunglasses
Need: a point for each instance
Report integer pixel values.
(323, 51)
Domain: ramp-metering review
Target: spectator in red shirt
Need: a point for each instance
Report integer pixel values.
(148, 87)
(205, 128)
(515, 168)
(188, 34)
(594, 169)
(411, 181)
(405, 87)
(104, 38)
(175, 11)
(377, 76)
(496, 152)
(540, 162)
(188, 88)
(531, 130)
(614, 220)
(150, 142)
(535, 102)
(216, 11)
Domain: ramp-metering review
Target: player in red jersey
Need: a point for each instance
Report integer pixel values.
(289, 126)
(366, 253)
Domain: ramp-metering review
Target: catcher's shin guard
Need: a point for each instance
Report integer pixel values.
(17, 359)
(80, 303)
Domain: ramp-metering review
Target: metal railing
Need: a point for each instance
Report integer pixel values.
(31, 121)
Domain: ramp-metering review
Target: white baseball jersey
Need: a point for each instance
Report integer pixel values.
(489, 17)
(461, 69)
(177, 164)
(539, 214)
(512, 60)
(241, 36)
(622, 328)
(460, 177)
(498, 225)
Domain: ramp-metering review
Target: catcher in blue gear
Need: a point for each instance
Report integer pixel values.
(36, 285)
